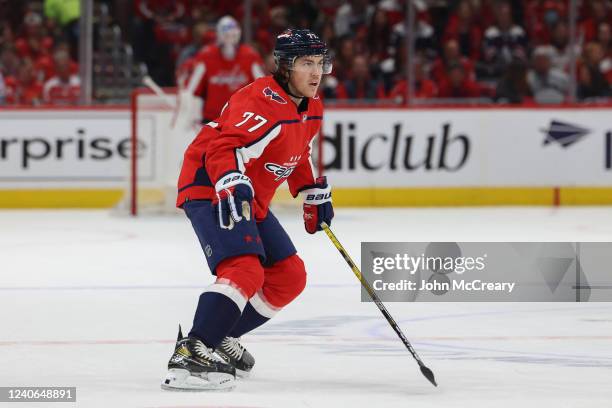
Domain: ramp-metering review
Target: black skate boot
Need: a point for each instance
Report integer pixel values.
(236, 355)
(194, 367)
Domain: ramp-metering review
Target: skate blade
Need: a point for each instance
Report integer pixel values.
(182, 380)
(243, 374)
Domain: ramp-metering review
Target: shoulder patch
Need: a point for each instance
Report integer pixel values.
(269, 93)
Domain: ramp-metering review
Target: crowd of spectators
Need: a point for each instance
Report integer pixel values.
(508, 51)
(38, 52)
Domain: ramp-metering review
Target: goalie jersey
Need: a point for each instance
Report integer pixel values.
(261, 133)
(224, 77)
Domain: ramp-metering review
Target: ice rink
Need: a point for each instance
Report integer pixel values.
(93, 301)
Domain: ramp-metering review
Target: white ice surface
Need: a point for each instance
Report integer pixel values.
(93, 301)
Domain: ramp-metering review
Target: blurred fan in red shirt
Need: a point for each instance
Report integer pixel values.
(458, 85)
(451, 56)
(424, 87)
(25, 89)
(463, 27)
(64, 88)
(360, 84)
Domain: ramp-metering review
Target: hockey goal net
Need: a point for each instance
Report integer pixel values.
(160, 141)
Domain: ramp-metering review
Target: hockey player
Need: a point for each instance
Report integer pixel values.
(218, 71)
(229, 175)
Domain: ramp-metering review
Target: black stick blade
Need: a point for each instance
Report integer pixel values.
(429, 375)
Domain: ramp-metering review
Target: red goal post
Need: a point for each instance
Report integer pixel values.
(155, 156)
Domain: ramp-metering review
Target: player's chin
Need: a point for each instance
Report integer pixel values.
(311, 89)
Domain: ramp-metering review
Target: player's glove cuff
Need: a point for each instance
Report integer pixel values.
(232, 179)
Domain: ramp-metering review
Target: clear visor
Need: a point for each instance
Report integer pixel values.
(312, 64)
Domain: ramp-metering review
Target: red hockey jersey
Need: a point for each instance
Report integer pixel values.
(261, 133)
(224, 77)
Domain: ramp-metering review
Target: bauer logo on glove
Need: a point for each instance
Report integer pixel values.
(318, 197)
(234, 178)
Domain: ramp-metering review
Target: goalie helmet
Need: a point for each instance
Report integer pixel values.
(228, 31)
(292, 44)
(228, 36)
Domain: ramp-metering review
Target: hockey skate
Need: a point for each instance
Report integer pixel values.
(194, 367)
(236, 355)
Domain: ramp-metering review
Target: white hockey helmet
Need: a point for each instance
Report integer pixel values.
(228, 32)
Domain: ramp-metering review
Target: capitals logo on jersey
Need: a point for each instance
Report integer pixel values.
(233, 78)
(279, 171)
(285, 170)
(269, 93)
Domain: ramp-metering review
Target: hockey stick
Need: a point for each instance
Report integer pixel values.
(426, 371)
(190, 89)
(150, 83)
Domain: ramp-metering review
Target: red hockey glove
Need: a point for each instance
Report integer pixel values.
(234, 196)
(317, 206)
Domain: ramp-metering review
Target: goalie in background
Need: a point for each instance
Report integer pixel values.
(207, 80)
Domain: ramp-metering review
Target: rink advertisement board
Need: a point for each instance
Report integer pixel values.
(82, 148)
(488, 271)
(56, 157)
(372, 156)
(468, 147)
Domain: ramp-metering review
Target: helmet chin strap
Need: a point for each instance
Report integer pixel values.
(284, 83)
(292, 94)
